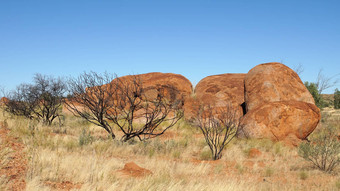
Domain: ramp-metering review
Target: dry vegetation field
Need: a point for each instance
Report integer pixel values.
(80, 156)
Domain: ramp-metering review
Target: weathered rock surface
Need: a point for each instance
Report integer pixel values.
(271, 82)
(174, 86)
(288, 121)
(219, 91)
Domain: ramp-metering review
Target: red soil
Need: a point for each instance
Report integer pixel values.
(15, 169)
(64, 185)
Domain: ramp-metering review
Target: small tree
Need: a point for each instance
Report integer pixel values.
(325, 82)
(132, 105)
(313, 89)
(90, 97)
(219, 127)
(337, 99)
(323, 150)
(41, 100)
(107, 101)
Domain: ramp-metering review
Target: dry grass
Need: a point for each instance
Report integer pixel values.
(5, 154)
(57, 155)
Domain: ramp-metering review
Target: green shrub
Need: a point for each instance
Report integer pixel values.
(337, 99)
(85, 138)
(313, 89)
(70, 145)
(269, 172)
(219, 127)
(176, 154)
(303, 175)
(151, 152)
(323, 151)
(337, 184)
(278, 149)
(205, 154)
(240, 168)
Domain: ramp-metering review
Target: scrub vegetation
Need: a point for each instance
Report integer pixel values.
(81, 156)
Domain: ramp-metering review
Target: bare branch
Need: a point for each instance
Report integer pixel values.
(41, 100)
(219, 126)
(106, 101)
(299, 69)
(323, 82)
(140, 115)
(91, 97)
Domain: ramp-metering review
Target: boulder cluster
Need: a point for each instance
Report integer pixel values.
(270, 100)
(278, 105)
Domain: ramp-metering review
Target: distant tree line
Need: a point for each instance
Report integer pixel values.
(319, 100)
(322, 83)
(337, 99)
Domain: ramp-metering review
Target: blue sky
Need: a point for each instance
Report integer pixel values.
(193, 38)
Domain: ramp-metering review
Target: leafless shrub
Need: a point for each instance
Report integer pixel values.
(299, 69)
(132, 106)
(323, 151)
(41, 100)
(104, 100)
(91, 97)
(325, 82)
(219, 127)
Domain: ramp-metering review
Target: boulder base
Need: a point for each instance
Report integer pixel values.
(281, 121)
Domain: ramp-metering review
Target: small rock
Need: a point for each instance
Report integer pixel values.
(253, 153)
(134, 170)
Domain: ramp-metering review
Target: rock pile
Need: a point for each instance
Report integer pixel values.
(271, 100)
(278, 105)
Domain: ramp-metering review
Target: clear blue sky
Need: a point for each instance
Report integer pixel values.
(194, 38)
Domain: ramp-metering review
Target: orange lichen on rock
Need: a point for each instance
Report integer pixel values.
(219, 91)
(281, 121)
(271, 82)
(173, 86)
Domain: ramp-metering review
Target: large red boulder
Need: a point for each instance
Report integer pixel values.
(220, 91)
(271, 82)
(288, 121)
(173, 86)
